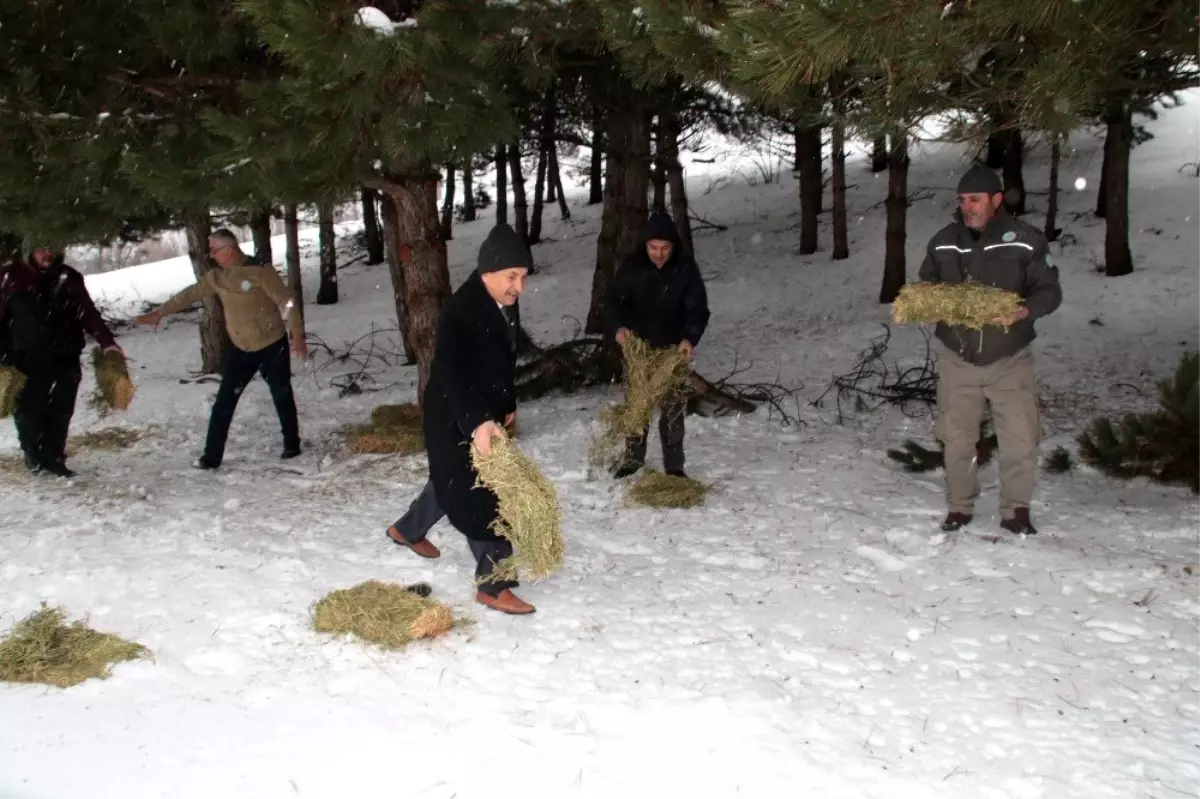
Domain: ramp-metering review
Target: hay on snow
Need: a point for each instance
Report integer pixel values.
(658, 490)
(393, 429)
(43, 648)
(383, 613)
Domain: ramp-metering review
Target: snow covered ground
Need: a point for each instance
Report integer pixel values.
(806, 632)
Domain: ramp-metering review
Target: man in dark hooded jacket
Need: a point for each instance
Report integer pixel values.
(658, 295)
(45, 311)
(470, 394)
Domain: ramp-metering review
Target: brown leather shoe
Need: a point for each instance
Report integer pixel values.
(956, 521)
(505, 602)
(1020, 523)
(424, 547)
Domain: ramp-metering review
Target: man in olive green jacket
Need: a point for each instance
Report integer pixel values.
(255, 302)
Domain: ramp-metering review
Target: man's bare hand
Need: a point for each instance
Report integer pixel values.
(299, 347)
(152, 318)
(686, 348)
(510, 423)
(482, 438)
(1009, 321)
(623, 335)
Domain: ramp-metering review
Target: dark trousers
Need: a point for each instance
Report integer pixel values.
(44, 409)
(670, 430)
(424, 512)
(240, 367)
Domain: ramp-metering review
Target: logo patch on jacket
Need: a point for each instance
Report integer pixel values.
(246, 285)
(1009, 236)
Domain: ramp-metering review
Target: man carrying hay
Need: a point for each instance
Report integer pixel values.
(658, 295)
(45, 311)
(994, 364)
(255, 302)
(470, 394)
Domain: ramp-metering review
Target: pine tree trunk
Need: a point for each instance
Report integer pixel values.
(520, 199)
(1102, 193)
(659, 177)
(998, 143)
(1118, 141)
(291, 256)
(879, 154)
(447, 225)
(539, 193)
(837, 161)
(468, 192)
(423, 283)
(808, 157)
(392, 248)
(627, 137)
(371, 227)
(501, 184)
(675, 181)
(551, 174)
(260, 230)
(596, 170)
(895, 272)
(327, 291)
(1052, 202)
(214, 339)
(1014, 177)
(556, 180)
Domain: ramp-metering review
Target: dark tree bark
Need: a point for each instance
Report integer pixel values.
(659, 176)
(808, 160)
(468, 192)
(422, 278)
(556, 181)
(1118, 141)
(675, 182)
(1052, 202)
(627, 137)
(327, 291)
(879, 154)
(1014, 175)
(520, 199)
(371, 227)
(501, 184)
(551, 174)
(837, 161)
(291, 256)
(447, 224)
(539, 194)
(214, 339)
(596, 171)
(392, 248)
(895, 272)
(1102, 192)
(998, 142)
(260, 230)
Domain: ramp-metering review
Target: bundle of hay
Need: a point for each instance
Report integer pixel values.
(42, 648)
(658, 490)
(530, 517)
(971, 305)
(393, 430)
(652, 377)
(383, 613)
(109, 439)
(114, 389)
(12, 381)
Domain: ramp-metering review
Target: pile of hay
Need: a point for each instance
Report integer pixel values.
(109, 439)
(530, 517)
(971, 305)
(11, 383)
(658, 490)
(393, 430)
(114, 389)
(652, 377)
(44, 649)
(383, 613)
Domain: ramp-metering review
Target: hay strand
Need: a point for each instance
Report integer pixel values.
(114, 389)
(108, 439)
(658, 490)
(971, 305)
(529, 514)
(393, 430)
(12, 381)
(652, 377)
(382, 613)
(42, 648)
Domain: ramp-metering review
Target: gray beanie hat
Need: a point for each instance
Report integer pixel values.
(980, 180)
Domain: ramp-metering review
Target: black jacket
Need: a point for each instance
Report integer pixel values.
(471, 381)
(1008, 254)
(663, 306)
(45, 314)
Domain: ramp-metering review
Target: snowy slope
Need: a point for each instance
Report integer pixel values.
(804, 633)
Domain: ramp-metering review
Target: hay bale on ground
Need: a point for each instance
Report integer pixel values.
(42, 648)
(652, 377)
(108, 439)
(971, 305)
(530, 517)
(12, 464)
(393, 430)
(658, 490)
(12, 381)
(383, 613)
(114, 389)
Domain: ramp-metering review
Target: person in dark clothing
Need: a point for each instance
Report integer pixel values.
(993, 365)
(658, 295)
(469, 395)
(45, 312)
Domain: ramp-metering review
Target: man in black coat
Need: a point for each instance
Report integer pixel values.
(470, 395)
(658, 295)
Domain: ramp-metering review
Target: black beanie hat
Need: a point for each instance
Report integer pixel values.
(660, 226)
(503, 249)
(980, 180)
